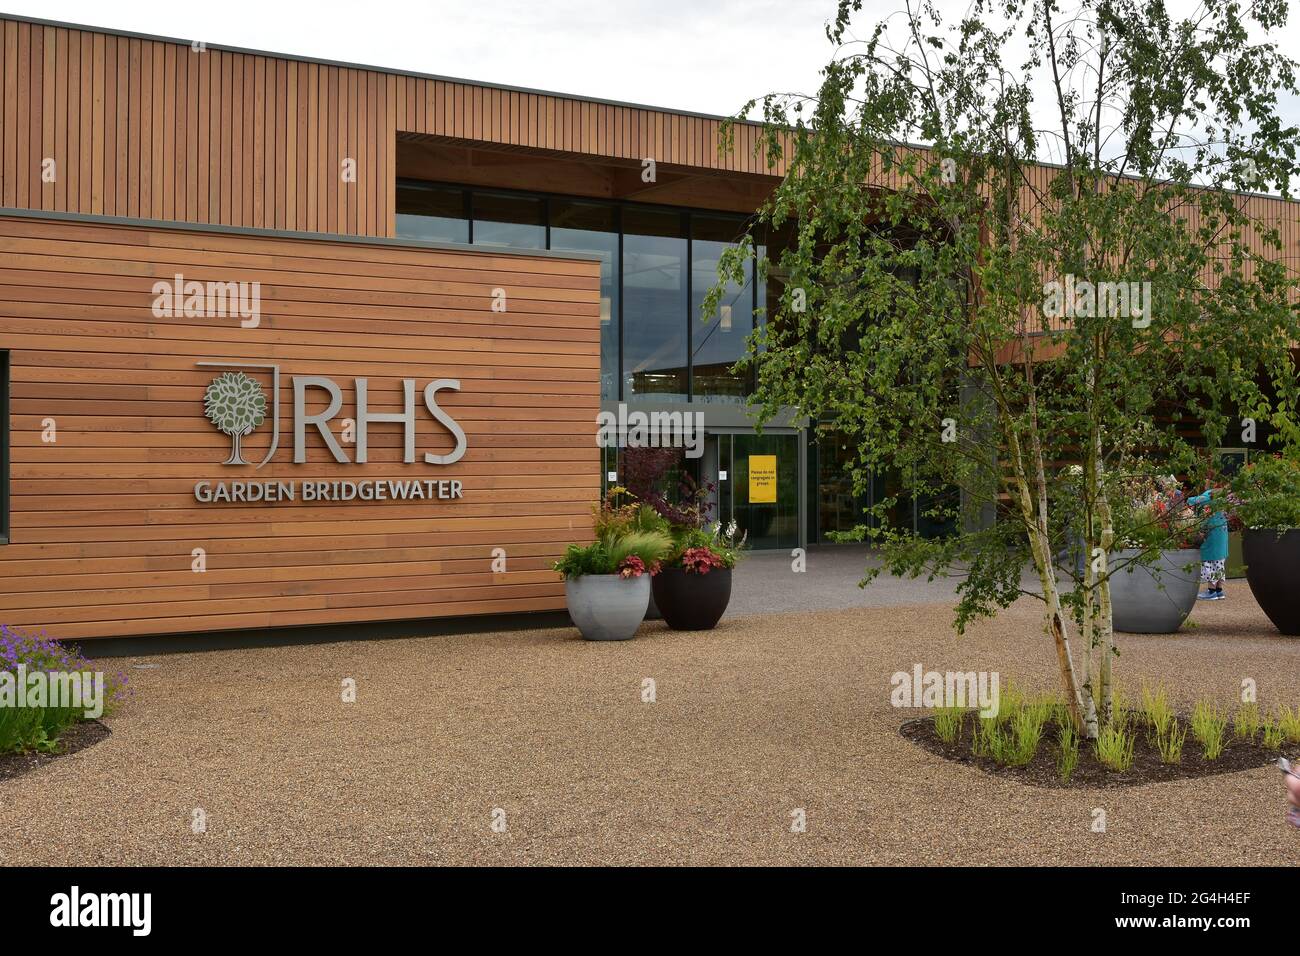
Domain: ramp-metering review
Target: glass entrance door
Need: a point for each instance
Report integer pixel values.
(761, 488)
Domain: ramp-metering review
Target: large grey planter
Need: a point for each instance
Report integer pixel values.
(606, 607)
(1155, 599)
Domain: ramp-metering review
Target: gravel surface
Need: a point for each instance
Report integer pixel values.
(767, 715)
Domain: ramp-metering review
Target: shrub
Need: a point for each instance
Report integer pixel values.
(39, 728)
(1269, 493)
(1115, 747)
(1208, 727)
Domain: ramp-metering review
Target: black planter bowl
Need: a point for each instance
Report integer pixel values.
(692, 602)
(1273, 572)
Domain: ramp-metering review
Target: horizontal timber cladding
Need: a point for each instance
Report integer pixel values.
(111, 442)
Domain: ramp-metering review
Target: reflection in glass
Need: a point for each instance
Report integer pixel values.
(654, 305)
(769, 525)
(431, 213)
(593, 228)
(718, 340)
(508, 221)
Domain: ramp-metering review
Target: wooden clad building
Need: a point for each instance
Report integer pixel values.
(402, 231)
(112, 526)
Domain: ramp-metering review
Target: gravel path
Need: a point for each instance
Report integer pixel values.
(766, 715)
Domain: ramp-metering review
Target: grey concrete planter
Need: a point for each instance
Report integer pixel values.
(1155, 599)
(606, 607)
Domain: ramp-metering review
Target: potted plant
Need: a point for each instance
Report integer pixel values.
(693, 588)
(1269, 493)
(1154, 574)
(607, 582)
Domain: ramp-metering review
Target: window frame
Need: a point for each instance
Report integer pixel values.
(620, 207)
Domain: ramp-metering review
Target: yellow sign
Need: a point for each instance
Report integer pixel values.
(762, 479)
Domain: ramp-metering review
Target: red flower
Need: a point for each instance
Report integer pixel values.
(700, 560)
(631, 567)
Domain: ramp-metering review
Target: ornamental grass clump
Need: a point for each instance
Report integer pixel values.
(1288, 721)
(1169, 741)
(1115, 748)
(1067, 743)
(1246, 724)
(1157, 713)
(1273, 735)
(1209, 725)
(948, 723)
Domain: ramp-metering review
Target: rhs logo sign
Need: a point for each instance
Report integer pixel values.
(236, 405)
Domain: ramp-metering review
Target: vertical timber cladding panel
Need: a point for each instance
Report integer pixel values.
(166, 130)
(105, 518)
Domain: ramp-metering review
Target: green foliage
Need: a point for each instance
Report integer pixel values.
(1067, 742)
(1288, 721)
(1269, 493)
(1157, 713)
(1012, 736)
(606, 555)
(1273, 735)
(928, 301)
(1169, 741)
(715, 538)
(948, 723)
(1209, 725)
(1246, 723)
(1115, 748)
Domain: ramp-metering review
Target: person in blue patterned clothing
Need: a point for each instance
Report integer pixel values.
(1214, 549)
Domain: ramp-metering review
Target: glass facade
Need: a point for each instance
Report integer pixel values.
(593, 228)
(657, 265)
(655, 329)
(718, 341)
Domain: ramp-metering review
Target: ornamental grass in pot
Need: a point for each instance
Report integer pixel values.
(607, 582)
(693, 588)
(1269, 493)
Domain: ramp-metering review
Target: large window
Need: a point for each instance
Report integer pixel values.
(4, 447)
(654, 305)
(657, 264)
(592, 227)
(507, 221)
(432, 213)
(718, 340)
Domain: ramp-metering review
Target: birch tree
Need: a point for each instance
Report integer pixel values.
(1024, 241)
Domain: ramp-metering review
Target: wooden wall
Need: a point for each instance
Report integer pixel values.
(104, 519)
(152, 129)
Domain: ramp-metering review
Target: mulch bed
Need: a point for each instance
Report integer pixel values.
(1090, 773)
(82, 734)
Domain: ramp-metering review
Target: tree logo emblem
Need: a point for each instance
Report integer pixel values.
(234, 403)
